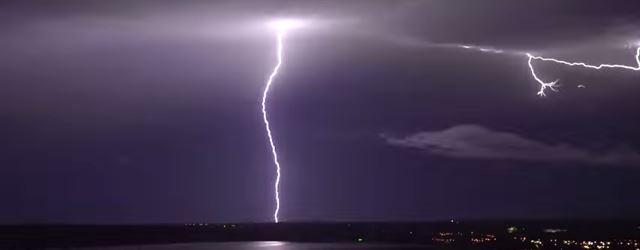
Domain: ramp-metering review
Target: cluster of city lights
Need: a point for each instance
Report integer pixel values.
(555, 242)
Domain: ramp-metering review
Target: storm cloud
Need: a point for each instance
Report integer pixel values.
(478, 142)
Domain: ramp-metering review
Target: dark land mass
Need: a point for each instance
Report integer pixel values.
(456, 234)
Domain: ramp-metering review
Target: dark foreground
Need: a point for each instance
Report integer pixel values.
(452, 234)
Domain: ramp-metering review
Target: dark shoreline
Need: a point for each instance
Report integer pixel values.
(428, 233)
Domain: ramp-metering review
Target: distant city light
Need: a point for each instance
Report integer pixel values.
(554, 230)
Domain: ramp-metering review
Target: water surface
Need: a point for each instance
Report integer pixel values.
(264, 245)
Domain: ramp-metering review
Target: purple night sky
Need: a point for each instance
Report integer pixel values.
(149, 111)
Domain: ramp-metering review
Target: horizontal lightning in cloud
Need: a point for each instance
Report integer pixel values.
(601, 66)
(481, 49)
(553, 85)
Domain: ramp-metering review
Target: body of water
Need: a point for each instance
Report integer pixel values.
(264, 245)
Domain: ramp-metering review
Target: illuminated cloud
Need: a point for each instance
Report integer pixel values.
(478, 142)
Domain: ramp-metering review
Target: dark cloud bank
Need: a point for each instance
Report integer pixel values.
(478, 142)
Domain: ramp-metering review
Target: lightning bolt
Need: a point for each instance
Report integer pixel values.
(282, 26)
(543, 85)
(553, 85)
(274, 73)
